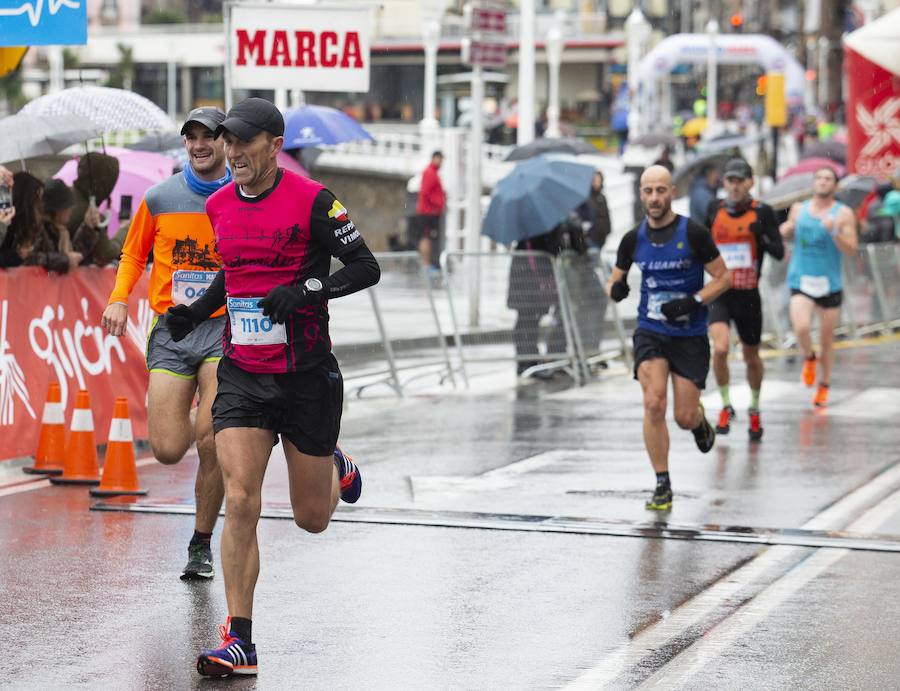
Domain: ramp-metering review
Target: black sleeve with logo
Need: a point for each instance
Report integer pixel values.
(701, 242)
(767, 233)
(331, 226)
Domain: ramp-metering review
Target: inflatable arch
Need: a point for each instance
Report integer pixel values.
(732, 49)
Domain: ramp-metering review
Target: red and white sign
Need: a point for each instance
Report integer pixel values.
(872, 68)
(314, 48)
(50, 332)
(487, 34)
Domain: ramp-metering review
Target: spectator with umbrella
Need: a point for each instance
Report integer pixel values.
(529, 210)
(97, 176)
(57, 209)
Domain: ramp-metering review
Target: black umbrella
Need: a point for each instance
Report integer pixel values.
(568, 145)
(854, 188)
(685, 175)
(158, 141)
(830, 149)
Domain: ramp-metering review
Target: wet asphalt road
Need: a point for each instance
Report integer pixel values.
(92, 599)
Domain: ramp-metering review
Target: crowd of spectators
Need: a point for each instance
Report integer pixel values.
(57, 227)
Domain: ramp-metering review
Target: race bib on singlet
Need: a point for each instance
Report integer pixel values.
(657, 299)
(815, 286)
(187, 286)
(737, 255)
(250, 327)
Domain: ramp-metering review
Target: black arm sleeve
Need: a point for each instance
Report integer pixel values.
(211, 300)
(360, 271)
(701, 242)
(767, 234)
(625, 254)
(711, 211)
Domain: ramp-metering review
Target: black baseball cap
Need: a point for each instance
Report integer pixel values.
(209, 117)
(252, 116)
(738, 168)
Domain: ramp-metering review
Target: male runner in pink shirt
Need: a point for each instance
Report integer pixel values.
(275, 233)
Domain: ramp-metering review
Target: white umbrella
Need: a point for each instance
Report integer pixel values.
(111, 109)
(25, 136)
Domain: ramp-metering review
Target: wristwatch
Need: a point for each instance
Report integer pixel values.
(698, 298)
(313, 285)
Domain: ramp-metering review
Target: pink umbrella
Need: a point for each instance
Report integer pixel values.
(288, 162)
(138, 172)
(811, 165)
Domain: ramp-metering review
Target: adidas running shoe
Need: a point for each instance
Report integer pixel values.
(661, 500)
(348, 472)
(232, 657)
(726, 415)
(755, 429)
(200, 562)
(704, 434)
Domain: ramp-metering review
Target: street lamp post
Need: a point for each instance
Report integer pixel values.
(637, 31)
(554, 47)
(432, 11)
(525, 130)
(712, 107)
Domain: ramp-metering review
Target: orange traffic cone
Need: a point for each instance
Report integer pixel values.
(119, 469)
(51, 448)
(80, 466)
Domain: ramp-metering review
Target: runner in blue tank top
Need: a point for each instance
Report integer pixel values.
(672, 253)
(822, 229)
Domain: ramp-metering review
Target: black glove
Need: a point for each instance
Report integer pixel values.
(283, 301)
(619, 291)
(181, 321)
(679, 307)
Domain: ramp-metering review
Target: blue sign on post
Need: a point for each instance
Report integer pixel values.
(43, 22)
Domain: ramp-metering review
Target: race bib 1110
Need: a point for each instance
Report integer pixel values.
(250, 327)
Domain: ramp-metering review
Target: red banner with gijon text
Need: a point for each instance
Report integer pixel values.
(50, 332)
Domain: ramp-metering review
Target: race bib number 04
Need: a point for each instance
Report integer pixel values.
(187, 286)
(250, 327)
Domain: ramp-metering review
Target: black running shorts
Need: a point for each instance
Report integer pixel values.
(744, 308)
(688, 356)
(828, 302)
(303, 407)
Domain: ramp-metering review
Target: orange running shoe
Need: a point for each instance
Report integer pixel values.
(821, 398)
(726, 415)
(809, 371)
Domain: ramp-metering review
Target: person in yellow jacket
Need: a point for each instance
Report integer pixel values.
(171, 222)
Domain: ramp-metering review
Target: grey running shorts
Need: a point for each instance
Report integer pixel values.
(183, 359)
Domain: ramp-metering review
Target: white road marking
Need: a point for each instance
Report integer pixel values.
(715, 642)
(769, 565)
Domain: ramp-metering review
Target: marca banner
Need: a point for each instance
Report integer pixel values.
(312, 48)
(50, 331)
(873, 117)
(43, 22)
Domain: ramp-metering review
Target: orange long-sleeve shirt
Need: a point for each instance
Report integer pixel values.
(171, 221)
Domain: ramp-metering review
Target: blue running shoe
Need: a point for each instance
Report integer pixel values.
(232, 657)
(351, 480)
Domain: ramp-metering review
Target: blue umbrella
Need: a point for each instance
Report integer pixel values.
(535, 196)
(317, 125)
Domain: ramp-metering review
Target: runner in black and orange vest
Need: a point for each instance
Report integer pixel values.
(744, 230)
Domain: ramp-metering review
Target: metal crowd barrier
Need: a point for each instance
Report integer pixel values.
(391, 333)
(540, 311)
(570, 324)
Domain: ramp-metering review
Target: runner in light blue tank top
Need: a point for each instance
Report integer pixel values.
(822, 229)
(815, 268)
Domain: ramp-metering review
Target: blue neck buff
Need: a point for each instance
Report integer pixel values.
(205, 187)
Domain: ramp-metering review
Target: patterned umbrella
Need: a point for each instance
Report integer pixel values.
(110, 109)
